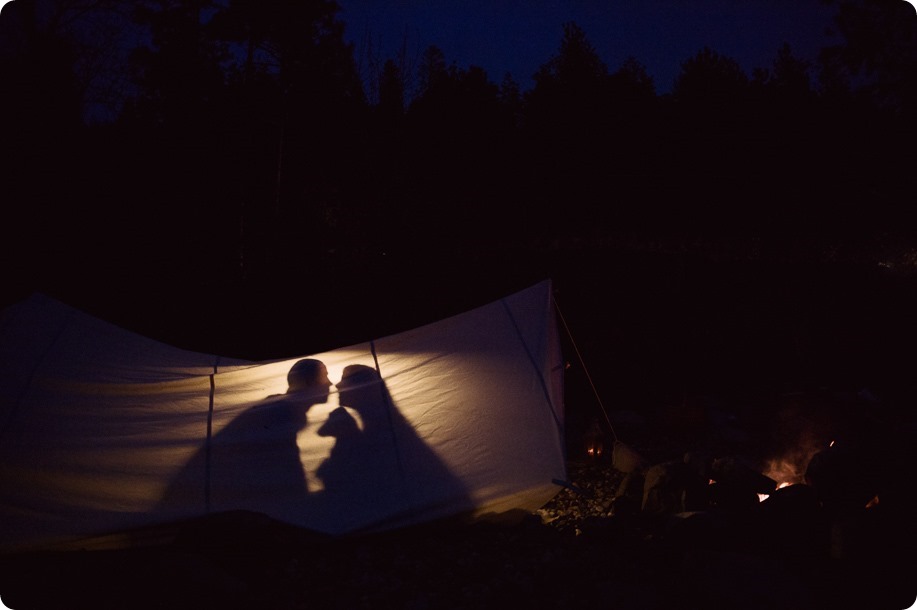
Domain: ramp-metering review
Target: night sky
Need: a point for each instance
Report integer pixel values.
(518, 36)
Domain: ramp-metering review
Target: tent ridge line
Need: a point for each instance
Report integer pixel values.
(15, 410)
(389, 406)
(541, 379)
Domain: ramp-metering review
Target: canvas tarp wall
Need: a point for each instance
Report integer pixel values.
(103, 430)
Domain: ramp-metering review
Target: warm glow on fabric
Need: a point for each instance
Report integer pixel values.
(102, 430)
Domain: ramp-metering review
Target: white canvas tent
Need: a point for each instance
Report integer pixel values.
(103, 430)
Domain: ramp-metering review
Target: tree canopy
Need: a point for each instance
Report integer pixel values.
(243, 135)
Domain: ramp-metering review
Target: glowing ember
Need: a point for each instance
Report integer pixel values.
(763, 497)
(790, 468)
(787, 470)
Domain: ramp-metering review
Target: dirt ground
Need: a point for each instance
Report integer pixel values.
(574, 551)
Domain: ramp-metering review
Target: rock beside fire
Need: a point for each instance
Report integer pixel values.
(697, 481)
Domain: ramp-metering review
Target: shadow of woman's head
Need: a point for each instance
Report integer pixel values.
(359, 388)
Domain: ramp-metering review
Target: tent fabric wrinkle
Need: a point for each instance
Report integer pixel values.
(104, 431)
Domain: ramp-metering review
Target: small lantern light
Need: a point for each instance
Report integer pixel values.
(595, 440)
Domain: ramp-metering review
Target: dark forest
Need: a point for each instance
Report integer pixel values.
(223, 176)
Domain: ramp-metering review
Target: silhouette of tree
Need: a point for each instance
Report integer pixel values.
(391, 90)
(636, 169)
(570, 88)
(178, 74)
(632, 83)
(320, 114)
(791, 75)
(386, 171)
(872, 75)
(41, 102)
(878, 54)
(432, 72)
(245, 111)
(300, 45)
(38, 68)
(710, 121)
(174, 133)
(787, 84)
(784, 155)
(95, 32)
(711, 81)
(567, 133)
(576, 67)
(784, 101)
(510, 96)
(456, 125)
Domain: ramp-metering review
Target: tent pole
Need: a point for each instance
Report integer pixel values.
(585, 370)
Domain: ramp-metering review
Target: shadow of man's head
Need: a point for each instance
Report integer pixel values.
(309, 377)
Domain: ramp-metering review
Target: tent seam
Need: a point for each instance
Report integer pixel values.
(389, 406)
(541, 379)
(207, 444)
(28, 385)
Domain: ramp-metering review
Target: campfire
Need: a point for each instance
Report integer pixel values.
(787, 470)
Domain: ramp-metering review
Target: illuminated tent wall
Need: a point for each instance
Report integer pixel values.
(103, 430)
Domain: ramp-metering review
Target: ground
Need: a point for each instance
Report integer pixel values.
(574, 551)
